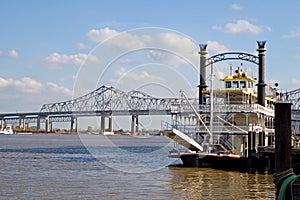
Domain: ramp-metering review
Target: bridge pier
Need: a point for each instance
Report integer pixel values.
(134, 124)
(48, 124)
(38, 123)
(110, 130)
(2, 124)
(110, 123)
(74, 120)
(22, 122)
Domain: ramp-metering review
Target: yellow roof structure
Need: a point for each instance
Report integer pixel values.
(239, 76)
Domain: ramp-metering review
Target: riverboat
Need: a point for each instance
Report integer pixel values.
(228, 130)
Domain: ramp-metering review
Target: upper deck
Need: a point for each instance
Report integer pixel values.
(239, 88)
(225, 109)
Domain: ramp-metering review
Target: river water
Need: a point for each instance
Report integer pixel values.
(116, 167)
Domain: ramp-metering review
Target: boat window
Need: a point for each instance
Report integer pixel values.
(235, 84)
(228, 84)
(243, 84)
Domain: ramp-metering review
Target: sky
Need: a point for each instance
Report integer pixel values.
(53, 51)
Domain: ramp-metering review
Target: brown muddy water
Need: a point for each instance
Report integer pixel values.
(116, 167)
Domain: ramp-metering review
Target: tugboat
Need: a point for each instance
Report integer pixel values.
(226, 130)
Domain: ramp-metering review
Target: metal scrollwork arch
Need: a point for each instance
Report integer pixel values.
(232, 56)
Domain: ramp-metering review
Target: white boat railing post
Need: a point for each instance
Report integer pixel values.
(211, 106)
(196, 113)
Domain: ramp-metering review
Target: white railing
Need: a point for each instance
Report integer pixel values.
(182, 108)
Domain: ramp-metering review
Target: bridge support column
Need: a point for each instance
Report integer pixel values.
(74, 120)
(38, 123)
(2, 124)
(134, 124)
(22, 122)
(102, 124)
(110, 123)
(48, 124)
(110, 130)
(76, 125)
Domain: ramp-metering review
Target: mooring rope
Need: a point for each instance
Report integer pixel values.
(288, 176)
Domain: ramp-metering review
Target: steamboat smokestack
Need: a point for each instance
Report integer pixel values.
(261, 73)
(202, 84)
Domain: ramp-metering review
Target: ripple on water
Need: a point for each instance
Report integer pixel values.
(61, 167)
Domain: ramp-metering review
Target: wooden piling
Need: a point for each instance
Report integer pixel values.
(283, 158)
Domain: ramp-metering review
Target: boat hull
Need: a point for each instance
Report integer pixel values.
(217, 161)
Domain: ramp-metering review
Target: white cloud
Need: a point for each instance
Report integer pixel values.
(165, 58)
(138, 76)
(178, 46)
(179, 49)
(123, 40)
(99, 35)
(59, 89)
(176, 42)
(76, 59)
(31, 94)
(28, 85)
(293, 33)
(25, 84)
(156, 55)
(235, 7)
(10, 53)
(216, 47)
(4, 82)
(82, 46)
(13, 53)
(242, 26)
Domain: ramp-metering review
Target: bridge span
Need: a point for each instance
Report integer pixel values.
(104, 102)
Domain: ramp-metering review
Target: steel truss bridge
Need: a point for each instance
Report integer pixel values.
(104, 102)
(109, 100)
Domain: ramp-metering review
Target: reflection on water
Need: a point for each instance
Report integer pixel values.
(194, 183)
(61, 167)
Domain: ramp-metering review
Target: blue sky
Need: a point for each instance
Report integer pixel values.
(45, 46)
